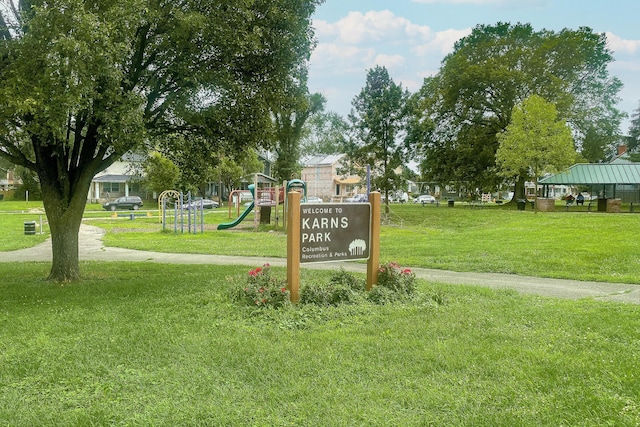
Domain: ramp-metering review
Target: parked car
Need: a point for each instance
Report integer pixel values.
(129, 202)
(204, 203)
(424, 198)
(358, 198)
(314, 199)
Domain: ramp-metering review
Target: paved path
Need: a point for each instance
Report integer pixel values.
(91, 248)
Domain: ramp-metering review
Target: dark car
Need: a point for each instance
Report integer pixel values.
(129, 202)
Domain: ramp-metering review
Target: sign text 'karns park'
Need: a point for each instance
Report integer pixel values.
(334, 232)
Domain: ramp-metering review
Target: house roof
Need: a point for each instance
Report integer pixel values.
(262, 178)
(323, 160)
(348, 180)
(113, 178)
(596, 173)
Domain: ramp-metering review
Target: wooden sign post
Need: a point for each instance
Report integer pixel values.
(293, 245)
(373, 263)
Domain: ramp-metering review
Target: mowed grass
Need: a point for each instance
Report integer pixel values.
(13, 215)
(165, 345)
(571, 245)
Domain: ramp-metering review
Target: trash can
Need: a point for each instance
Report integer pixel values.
(602, 204)
(450, 203)
(29, 227)
(522, 203)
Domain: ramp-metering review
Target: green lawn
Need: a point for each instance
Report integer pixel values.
(138, 344)
(573, 245)
(165, 345)
(13, 215)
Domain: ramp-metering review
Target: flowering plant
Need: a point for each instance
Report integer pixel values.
(264, 290)
(393, 277)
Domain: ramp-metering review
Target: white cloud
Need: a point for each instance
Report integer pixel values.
(442, 42)
(378, 26)
(362, 40)
(622, 46)
(332, 58)
(389, 61)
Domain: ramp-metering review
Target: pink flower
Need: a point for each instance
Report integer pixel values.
(283, 290)
(266, 265)
(261, 290)
(406, 271)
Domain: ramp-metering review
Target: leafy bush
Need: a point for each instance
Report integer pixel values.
(396, 278)
(343, 288)
(264, 290)
(343, 278)
(381, 295)
(394, 284)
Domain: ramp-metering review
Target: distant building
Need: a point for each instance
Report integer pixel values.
(119, 179)
(323, 179)
(8, 180)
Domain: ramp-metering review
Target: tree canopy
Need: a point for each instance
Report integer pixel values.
(324, 133)
(535, 142)
(290, 119)
(496, 67)
(160, 173)
(378, 120)
(633, 140)
(84, 81)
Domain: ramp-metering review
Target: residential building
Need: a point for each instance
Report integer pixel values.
(119, 179)
(8, 180)
(323, 180)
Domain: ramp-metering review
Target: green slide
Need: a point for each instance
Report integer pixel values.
(238, 220)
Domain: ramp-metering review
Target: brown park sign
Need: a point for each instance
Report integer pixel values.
(334, 232)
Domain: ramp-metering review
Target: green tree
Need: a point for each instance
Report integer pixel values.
(83, 82)
(289, 127)
(324, 133)
(29, 186)
(535, 142)
(470, 100)
(231, 170)
(378, 120)
(633, 139)
(159, 173)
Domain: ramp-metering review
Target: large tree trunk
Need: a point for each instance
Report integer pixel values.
(519, 190)
(65, 266)
(64, 195)
(64, 222)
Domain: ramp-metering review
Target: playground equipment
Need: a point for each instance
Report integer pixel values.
(298, 184)
(261, 198)
(294, 184)
(247, 211)
(182, 206)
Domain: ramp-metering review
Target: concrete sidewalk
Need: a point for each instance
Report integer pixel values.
(92, 249)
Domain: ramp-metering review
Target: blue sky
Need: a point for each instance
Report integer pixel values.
(411, 37)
